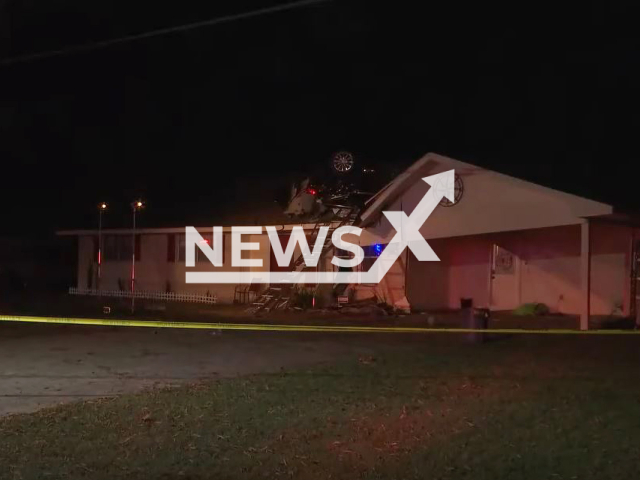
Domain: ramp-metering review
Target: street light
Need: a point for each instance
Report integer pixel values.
(102, 207)
(136, 206)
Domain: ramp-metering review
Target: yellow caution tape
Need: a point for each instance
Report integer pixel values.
(298, 328)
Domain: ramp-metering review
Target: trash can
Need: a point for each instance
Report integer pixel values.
(466, 303)
(475, 318)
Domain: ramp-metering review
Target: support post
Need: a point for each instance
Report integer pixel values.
(133, 263)
(99, 286)
(585, 274)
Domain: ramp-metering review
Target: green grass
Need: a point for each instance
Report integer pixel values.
(522, 408)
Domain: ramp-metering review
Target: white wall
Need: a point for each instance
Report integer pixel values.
(549, 272)
(154, 272)
(540, 225)
(462, 272)
(427, 283)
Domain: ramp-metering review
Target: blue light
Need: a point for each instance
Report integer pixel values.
(377, 248)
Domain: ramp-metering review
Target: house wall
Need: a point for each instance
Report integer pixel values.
(539, 225)
(155, 272)
(549, 270)
(152, 268)
(427, 283)
(393, 287)
(462, 272)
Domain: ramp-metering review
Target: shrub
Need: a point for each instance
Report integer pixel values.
(302, 298)
(532, 309)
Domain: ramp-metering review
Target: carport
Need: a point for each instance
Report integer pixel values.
(506, 242)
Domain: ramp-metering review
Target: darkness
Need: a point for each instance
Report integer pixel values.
(197, 120)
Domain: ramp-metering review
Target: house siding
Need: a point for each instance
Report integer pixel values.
(158, 271)
(549, 270)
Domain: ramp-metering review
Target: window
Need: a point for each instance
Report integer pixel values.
(180, 250)
(120, 248)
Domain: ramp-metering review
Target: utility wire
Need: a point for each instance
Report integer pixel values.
(156, 33)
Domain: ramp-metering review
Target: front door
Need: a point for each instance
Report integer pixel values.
(505, 279)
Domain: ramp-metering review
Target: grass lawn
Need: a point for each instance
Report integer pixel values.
(520, 408)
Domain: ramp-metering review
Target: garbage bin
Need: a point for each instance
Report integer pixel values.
(475, 318)
(466, 303)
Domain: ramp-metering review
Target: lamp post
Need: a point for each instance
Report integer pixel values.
(135, 207)
(102, 207)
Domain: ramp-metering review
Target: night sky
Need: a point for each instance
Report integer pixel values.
(195, 121)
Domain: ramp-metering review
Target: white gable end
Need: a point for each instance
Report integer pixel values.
(492, 202)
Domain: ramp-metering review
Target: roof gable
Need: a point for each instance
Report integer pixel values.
(491, 202)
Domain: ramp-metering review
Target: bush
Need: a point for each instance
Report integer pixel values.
(532, 309)
(302, 298)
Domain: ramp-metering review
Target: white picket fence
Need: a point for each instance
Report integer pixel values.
(162, 296)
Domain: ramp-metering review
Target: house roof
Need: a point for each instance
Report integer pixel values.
(433, 163)
(262, 210)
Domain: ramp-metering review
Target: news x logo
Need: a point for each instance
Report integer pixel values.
(407, 235)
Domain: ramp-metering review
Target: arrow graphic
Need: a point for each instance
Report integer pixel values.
(407, 236)
(408, 227)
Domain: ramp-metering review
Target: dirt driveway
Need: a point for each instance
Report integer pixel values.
(42, 365)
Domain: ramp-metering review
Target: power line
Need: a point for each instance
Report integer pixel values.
(156, 33)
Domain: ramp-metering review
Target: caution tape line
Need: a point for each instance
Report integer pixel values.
(298, 328)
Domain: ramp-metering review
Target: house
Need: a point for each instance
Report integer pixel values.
(505, 242)
(502, 243)
(105, 258)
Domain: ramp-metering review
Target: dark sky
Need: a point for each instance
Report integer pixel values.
(549, 93)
